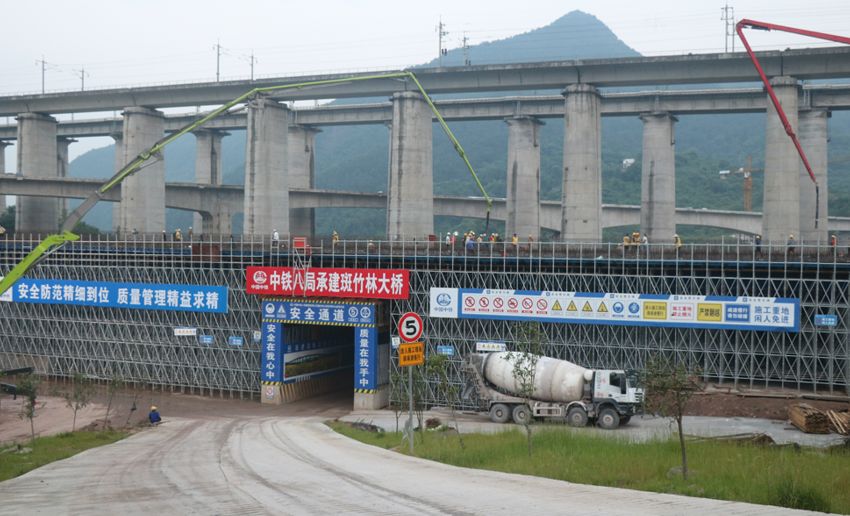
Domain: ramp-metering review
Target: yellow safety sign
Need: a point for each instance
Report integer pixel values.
(572, 307)
(587, 307)
(602, 308)
(709, 312)
(655, 310)
(557, 305)
(411, 354)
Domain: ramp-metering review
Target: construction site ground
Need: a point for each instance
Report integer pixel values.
(721, 412)
(231, 456)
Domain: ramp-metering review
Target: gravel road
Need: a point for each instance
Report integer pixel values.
(296, 465)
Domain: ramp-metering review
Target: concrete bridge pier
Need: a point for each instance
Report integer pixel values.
(410, 187)
(523, 179)
(301, 168)
(62, 145)
(813, 138)
(216, 222)
(658, 178)
(207, 165)
(142, 193)
(37, 158)
(781, 167)
(581, 196)
(3, 146)
(118, 138)
(266, 204)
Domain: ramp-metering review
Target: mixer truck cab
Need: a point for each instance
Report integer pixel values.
(561, 391)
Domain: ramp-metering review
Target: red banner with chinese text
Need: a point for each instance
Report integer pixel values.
(328, 282)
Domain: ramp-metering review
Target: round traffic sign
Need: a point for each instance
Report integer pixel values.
(410, 327)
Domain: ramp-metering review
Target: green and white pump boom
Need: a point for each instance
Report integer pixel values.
(53, 242)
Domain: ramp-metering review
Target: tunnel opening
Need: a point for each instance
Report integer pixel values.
(317, 360)
(336, 349)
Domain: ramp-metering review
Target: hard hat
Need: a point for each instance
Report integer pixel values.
(791, 235)
(153, 407)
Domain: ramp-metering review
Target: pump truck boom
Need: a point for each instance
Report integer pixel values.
(52, 243)
(757, 25)
(561, 389)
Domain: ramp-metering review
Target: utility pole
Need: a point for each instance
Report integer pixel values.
(252, 60)
(217, 48)
(81, 73)
(728, 16)
(441, 31)
(43, 64)
(466, 61)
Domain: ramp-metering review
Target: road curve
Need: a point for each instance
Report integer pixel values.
(296, 465)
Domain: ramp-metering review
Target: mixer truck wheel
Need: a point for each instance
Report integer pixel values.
(608, 418)
(522, 415)
(500, 413)
(577, 417)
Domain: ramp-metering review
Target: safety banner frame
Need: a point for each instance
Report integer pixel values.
(657, 310)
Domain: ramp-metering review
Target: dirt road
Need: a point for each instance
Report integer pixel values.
(294, 464)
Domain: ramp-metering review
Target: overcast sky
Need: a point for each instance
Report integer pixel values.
(154, 41)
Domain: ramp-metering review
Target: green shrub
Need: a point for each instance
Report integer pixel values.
(788, 493)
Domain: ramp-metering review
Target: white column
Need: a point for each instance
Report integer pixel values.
(36, 159)
(266, 204)
(658, 179)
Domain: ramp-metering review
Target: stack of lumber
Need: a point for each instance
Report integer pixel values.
(808, 419)
(839, 421)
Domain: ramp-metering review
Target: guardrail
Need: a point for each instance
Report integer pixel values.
(254, 248)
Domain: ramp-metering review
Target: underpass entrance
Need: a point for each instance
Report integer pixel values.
(316, 346)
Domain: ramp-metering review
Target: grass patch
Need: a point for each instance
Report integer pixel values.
(15, 460)
(801, 478)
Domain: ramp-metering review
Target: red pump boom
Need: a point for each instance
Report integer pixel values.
(752, 24)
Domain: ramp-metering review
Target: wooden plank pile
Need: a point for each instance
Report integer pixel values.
(839, 421)
(808, 419)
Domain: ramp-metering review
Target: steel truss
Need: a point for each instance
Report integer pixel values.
(140, 346)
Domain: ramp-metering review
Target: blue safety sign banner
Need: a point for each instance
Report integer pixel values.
(685, 311)
(272, 352)
(327, 313)
(365, 357)
(143, 296)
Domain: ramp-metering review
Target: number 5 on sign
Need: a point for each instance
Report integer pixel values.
(410, 327)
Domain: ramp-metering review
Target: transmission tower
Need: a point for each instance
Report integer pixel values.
(466, 61)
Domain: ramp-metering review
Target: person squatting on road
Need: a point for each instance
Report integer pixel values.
(154, 417)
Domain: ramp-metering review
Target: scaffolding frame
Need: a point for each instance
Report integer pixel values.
(140, 346)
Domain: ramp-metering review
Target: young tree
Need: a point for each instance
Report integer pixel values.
(437, 367)
(398, 389)
(28, 387)
(79, 396)
(528, 349)
(669, 387)
(116, 383)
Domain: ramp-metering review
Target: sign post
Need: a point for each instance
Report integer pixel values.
(410, 354)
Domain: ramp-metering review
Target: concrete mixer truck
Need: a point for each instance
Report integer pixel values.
(561, 390)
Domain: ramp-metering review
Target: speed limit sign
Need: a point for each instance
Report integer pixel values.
(410, 327)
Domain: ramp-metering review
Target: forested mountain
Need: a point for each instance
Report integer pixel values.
(355, 157)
